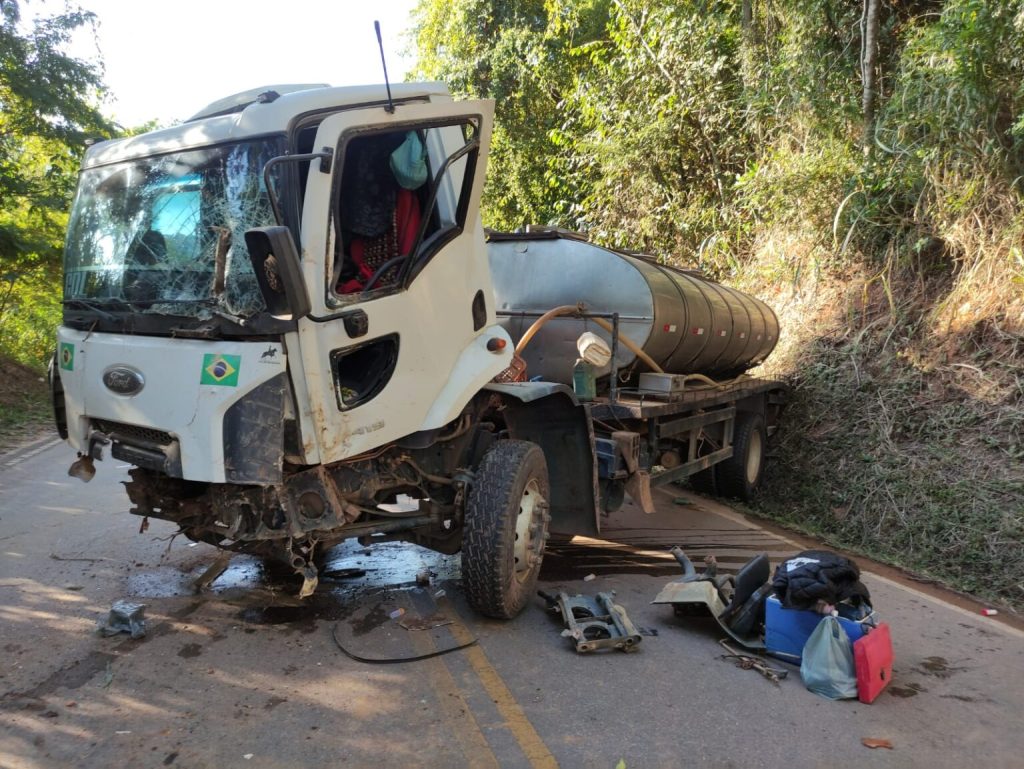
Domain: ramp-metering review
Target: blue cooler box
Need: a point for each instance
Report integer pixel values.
(787, 630)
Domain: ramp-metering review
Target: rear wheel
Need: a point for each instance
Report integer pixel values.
(739, 476)
(505, 529)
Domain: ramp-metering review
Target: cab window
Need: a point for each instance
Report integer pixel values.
(400, 195)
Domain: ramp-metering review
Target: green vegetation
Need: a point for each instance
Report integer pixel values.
(49, 108)
(857, 165)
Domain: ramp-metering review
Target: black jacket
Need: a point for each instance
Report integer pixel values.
(818, 575)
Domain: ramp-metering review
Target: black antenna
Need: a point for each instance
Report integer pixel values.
(380, 43)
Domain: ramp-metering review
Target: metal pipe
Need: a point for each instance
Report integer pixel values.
(613, 390)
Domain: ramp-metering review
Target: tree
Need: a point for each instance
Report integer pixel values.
(49, 106)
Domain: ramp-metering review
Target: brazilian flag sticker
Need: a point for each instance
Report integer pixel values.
(67, 356)
(220, 370)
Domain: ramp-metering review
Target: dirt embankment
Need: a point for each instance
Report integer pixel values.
(905, 440)
(24, 403)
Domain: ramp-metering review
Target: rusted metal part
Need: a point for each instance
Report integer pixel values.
(749, 662)
(594, 622)
(711, 593)
(214, 570)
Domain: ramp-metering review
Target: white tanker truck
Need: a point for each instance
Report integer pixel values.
(285, 314)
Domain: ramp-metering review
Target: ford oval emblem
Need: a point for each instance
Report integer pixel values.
(124, 380)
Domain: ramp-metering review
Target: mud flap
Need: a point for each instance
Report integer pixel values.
(639, 488)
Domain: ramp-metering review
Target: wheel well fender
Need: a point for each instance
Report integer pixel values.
(549, 415)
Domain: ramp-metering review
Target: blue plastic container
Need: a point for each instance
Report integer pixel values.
(787, 630)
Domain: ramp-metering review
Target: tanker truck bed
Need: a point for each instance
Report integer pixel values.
(635, 403)
(714, 434)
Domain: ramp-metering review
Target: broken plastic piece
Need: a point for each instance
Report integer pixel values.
(397, 613)
(424, 623)
(124, 617)
(989, 612)
(590, 578)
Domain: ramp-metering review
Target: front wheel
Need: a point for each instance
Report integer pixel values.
(505, 529)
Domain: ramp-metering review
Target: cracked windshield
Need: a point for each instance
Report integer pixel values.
(166, 235)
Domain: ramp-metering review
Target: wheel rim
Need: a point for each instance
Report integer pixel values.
(754, 457)
(528, 530)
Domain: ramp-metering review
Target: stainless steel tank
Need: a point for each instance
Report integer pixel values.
(687, 324)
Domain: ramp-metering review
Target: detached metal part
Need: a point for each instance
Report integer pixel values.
(124, 617)
(736, 603)
(594, 623)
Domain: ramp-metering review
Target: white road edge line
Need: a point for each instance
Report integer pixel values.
(31, 452)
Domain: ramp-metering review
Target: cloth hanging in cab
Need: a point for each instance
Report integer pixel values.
(803, 580)
(368, 254)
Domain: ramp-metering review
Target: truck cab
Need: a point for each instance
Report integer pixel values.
(253, 423)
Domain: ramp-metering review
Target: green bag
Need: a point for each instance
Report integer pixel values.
(827, 665)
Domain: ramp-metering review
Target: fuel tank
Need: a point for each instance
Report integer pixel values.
(686, 323)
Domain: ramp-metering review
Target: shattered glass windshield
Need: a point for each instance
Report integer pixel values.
(166, 235)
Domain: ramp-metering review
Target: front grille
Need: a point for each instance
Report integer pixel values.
(133, 432)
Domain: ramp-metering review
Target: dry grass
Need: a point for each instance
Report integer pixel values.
(906, 437)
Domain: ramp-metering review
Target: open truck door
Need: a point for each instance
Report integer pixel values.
(402, 310)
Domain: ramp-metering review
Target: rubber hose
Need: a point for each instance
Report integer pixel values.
(570, 309)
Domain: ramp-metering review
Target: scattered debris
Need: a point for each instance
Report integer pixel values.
(310, 579)
(395, 660)
(423, 578)
(56, 557)
(425, 623)
(75, 588)
(440, 593)
(989, 612)
(219, 566)
(594, 623)
(124, 617)
(343, 573)
(749, 662)
(397, 613)
(123, 731)
(873, 742)
(590, 578)
(248, 756)
(681, 501)
(108, 676)
(737, 603)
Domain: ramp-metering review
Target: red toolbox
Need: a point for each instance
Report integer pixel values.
(872, 657)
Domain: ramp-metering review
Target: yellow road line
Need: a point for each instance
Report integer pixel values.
(532, 745)
(467, 732)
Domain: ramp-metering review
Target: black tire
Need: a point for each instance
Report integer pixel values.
(499, 565)
(740, 475)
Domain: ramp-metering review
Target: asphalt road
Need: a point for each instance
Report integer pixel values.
(245, 675)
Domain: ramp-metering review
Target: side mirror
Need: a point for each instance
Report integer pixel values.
(275, 261)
